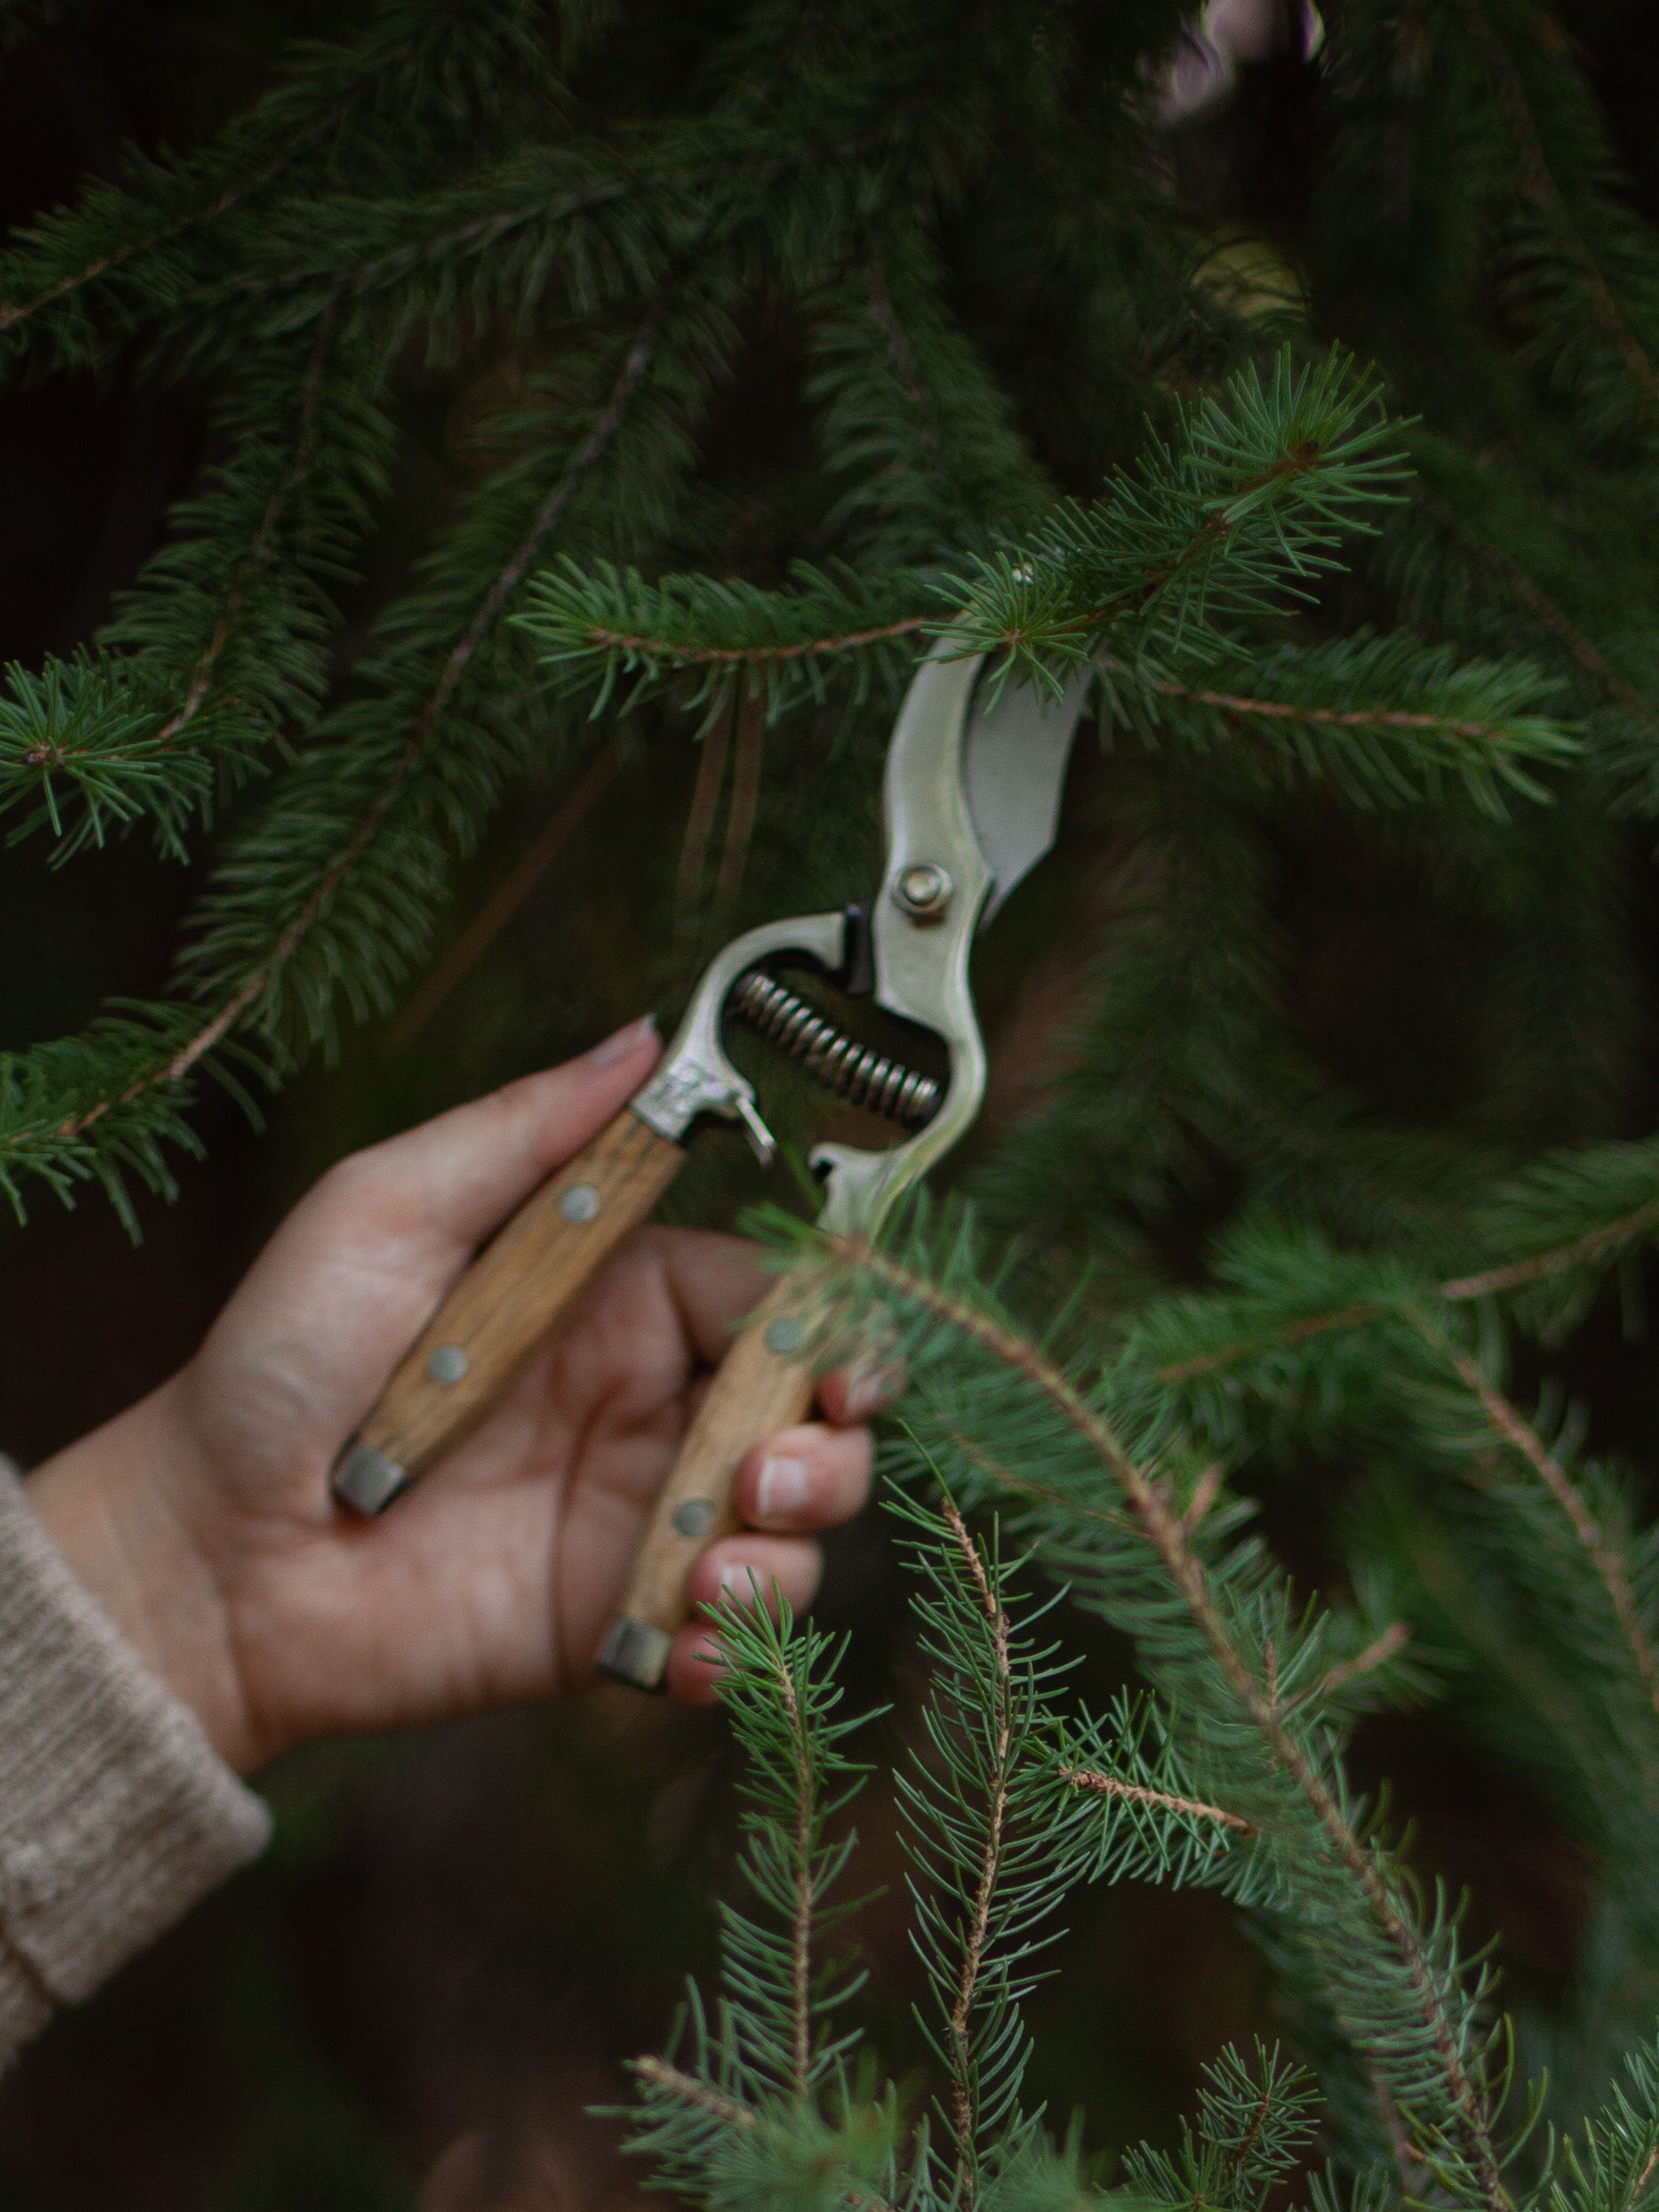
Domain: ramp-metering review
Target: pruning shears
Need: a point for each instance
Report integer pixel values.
(971, 798)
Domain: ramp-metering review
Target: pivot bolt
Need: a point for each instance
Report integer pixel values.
(923, 889)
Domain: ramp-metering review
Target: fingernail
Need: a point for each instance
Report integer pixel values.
(871, 1388)
(784, 1487)
(624, 1041)
(741, 1584)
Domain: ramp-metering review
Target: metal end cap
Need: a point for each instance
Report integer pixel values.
(367, 1481)
(635, 1653)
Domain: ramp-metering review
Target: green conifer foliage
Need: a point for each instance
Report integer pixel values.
(1361, 554)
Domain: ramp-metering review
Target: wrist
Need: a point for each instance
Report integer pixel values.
(115, 1505)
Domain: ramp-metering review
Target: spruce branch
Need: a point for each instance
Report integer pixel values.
(911, 418)
(1558, 271)
(699, 635)
(964, 2116)
(333, 888)
(1232, 518)
(1386, 719)
(779, 1692)
(1258, 1686)
(659, 2074)
(1521, 1438)
(1112, 1785)
(77, 284)
(1257, 2117)
(222, 644)
(1528, 593)
(993, 1846)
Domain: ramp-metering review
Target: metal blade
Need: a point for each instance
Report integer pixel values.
(1013, 767)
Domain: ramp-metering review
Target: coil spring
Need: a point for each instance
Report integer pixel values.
(831, 1056)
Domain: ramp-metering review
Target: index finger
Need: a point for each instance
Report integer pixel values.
(461, 1174)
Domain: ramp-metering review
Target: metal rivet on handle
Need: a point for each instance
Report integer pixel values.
(579, 1203)
(447, 1363)
(784, 1335)
(694, 1518)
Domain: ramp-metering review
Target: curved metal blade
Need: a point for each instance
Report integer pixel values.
(971, 796)
(1014, 768)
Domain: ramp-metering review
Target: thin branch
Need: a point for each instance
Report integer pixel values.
(1547, 193)
(800, 1931)
(505, 900)
(1524, 1439)
(699, 819)
(745, 799)
(1378, 1653)
(1536, 601)
(915, 387)
(1163, 1530)
(19, 311)
(1205, 1491)
(1136, 1793)
(254, 553)
(661, 2076)
(1358, 718)
(750, 656)
(686, 2086)
(264, 972)
(1294, 1332)
(1581, 1250)
(1643, 2179)
(973, 1950)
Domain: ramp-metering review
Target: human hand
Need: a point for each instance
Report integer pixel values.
(202, 1518)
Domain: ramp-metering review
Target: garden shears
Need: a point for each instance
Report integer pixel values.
(971, 800)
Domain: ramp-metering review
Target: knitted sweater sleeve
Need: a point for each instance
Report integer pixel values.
(115, 1812)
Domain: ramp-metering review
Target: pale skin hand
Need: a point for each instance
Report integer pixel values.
(202, 1520)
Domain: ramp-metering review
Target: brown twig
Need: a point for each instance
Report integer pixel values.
(1136, 1793)
(800, 1931)
(1205, 1491)
(1394, 1637)
(505, 900)
(1294, 1332)
(1536, 600)
(700, 819)
(745, 798)
(690, 2091)
(751, 656)
(973, 1949)
(1359, 718)
(1519, 1273)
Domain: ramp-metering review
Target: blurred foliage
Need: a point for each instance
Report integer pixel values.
(1374, 1018)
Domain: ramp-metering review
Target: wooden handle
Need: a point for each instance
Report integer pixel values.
(761, 1386)
(516, 1291)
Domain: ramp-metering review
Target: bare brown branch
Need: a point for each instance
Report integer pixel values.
(690, 2091)
(1110, 1785)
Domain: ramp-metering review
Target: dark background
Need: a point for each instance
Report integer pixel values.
(454, 1941)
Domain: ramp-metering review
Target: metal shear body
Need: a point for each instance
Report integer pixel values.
(970, 800)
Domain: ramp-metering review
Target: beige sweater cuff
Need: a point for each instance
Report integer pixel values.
(116, 1814)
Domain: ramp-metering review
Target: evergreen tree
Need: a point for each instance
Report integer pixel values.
(1374, 633)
